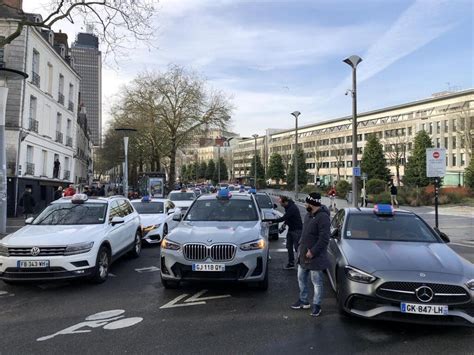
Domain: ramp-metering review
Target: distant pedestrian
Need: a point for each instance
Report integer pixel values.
(292, 219)
(70, 191)
(28, 203)
(101, 191)
(313, 256)
(87, 191)
(58, 193)
(393, 195)
(332, 197)
(56, 167)
(363, 197)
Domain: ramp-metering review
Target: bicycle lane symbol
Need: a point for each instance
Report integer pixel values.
(110, 320)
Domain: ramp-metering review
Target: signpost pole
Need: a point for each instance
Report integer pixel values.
(436, 168)
(436, 201)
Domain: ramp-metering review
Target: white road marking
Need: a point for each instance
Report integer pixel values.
(279, 250)
(194, 300)
(463, 245)
(123, 323)
(112, 275)
(6, 293)
(148, 269)
(106, 314)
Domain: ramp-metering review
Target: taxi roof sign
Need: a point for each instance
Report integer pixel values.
(383, 210)
(79, 198)
(224, 194)
(146, 198)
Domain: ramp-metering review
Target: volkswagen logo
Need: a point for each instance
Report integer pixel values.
(422, 274)
(424, 294)
(35, 251)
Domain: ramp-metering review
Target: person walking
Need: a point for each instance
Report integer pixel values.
(393, 195)
(58, 193)
(291, 218)
(28, 203)
(313, 257)
(70, 191)
(332, 196)
(363, 197)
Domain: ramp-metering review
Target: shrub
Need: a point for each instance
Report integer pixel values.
(310, 188)
(383, 197)
(342, 188)
(375, 186)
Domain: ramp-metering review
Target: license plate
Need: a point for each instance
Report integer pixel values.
(208, 267)
(431, 309)
(30, 264)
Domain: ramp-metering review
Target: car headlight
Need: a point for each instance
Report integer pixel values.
(167, 244)
(150, 228)
(3, 250)
(78, 248)
(470, 284)
(359, 275)
(253, 245)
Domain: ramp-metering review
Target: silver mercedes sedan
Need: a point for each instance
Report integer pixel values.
(221, 237)
(392, 265)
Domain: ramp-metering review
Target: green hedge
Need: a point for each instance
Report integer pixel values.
(375, 186)
(342, 188)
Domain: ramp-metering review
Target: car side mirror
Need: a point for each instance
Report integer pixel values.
(443, 236)
(177, 217)
(275, 206)
(116, 220)
(171, 211)
(335, 234)
(29, 220)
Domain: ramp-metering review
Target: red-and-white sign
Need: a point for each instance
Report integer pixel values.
(435, 162)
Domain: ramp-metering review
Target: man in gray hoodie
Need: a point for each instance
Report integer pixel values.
(313, 258)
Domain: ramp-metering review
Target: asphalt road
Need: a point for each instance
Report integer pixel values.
(141, 318)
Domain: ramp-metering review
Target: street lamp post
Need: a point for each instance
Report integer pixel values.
(125, 148)
(5, 76)
(353, 61)
(295, 158)
(255, 136)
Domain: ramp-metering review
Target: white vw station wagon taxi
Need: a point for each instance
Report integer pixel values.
(74, 237)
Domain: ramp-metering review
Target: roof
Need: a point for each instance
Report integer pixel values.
(366, 210)
(235, 195)
(153, 199)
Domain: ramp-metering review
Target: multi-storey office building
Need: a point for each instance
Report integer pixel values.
(88, 63)
(41, 112)
(447, 117)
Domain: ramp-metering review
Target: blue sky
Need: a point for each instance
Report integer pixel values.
(274, 57)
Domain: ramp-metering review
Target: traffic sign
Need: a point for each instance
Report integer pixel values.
(435, 162)
(364, 176)
(356, 171)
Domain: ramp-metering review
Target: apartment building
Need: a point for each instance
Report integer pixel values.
(41, 112)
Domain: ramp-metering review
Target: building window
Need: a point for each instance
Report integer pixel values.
(45, 163)
(453, 160)
(35, 77)
(437, 142)
(50, 79)
(71, 98)
(453, 125)
(463, 160)
(61, 89)
(431, 128)
(409, 131)
(438, 127)
(446, 142)
(2, 54)
(453, 142)
(446, 126)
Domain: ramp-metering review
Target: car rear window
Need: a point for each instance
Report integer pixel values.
(264, 201)
(148, 207)
(222, 210)
(399, 227)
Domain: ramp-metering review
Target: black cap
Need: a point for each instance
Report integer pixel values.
(314, 199)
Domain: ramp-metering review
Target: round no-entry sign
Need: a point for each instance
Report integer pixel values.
(436, 155)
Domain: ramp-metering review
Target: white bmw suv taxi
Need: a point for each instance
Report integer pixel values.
(74, 237)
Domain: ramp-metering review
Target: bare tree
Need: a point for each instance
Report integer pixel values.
(114, 19)
(339, 152)
(318, 162)
(396, 152)
(465, 127)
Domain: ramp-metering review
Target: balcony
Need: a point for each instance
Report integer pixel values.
(59, 137)
(60, 98)
(33, 125)
(69, 141)
(67, 175)
(30, 169)
(35, 79)
(70, 106)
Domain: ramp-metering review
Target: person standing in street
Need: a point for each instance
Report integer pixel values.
(363, 197)
(313, 258)
(393, 195)
(70, 191)
(58, 193)
(292, 219)
(28, 203)
(332, 196)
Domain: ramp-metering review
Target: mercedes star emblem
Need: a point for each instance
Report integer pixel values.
(424, 293)
(35, 251)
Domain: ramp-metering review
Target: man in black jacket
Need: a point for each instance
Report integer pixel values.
(292, 219)
(313, 258)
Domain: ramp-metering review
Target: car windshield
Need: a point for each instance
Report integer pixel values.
(222, 210)
(182, 196)
(400, 227)
(69, 214)
(148, 207)
(264, 201)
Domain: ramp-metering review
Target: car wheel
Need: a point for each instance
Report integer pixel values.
(169, 285)
(263, 285)
(137, 245)
(102, 266)
(340, 301)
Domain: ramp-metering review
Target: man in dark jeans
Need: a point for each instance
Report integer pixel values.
(292, 219)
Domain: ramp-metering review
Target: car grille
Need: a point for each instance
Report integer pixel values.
(44, 251)
(216, 252)
(231, 273)
(406, 291)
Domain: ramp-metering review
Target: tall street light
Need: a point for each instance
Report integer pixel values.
(125, 131)
(295, 158)
(5, 76)
(255, 136)
(353, 61)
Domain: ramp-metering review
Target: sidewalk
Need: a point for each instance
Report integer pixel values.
(13, 224)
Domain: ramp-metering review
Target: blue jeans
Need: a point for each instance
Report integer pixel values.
(316, 279)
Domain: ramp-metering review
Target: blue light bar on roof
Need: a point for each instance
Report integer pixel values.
(383, 210)
(224, 194)
(146, 199)
(253, 191)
